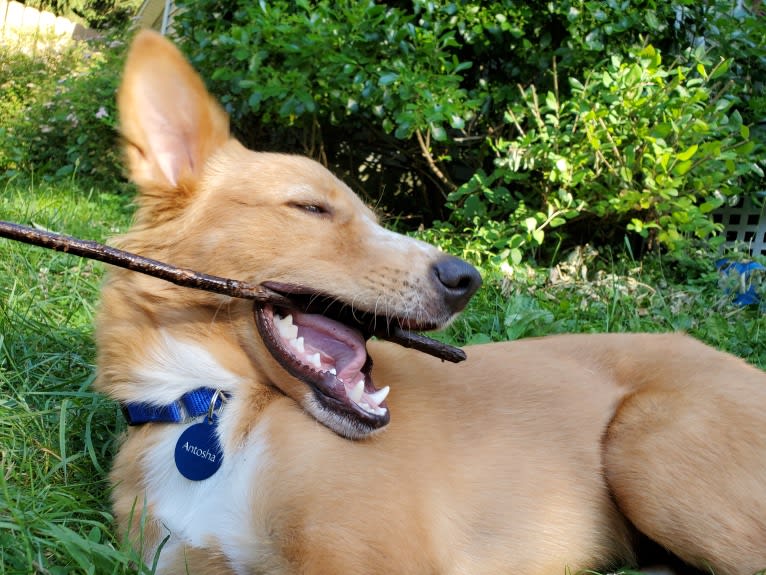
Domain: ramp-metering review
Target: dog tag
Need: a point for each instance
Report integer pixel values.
(198, 454)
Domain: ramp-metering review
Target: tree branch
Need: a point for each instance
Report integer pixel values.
(425, 149)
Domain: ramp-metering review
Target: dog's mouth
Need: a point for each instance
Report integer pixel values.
(322, 342)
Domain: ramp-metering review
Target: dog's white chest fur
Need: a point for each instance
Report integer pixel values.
(216, 510)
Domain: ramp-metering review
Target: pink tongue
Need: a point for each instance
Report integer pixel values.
(339, 345)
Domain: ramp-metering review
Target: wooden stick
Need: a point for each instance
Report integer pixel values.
(425, 344)
(196, 280)
(120, 258)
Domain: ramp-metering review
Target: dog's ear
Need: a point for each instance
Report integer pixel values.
(170, 123)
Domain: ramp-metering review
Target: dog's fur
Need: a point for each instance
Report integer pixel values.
(531, 457)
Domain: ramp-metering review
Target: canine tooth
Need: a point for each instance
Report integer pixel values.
(379, 396)
(315, 360)
(297, 344)
(333, 371)
(356, 393)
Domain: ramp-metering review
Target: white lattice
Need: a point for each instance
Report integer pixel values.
(744, 223)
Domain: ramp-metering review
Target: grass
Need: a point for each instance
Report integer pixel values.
(601, 292)
(57, 437)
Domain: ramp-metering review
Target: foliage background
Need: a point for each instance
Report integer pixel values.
(515, 130)
(515, 125)
(57, 113)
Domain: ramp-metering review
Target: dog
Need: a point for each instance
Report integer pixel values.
(282, 439)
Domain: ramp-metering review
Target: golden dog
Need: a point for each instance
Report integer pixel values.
(531, 457)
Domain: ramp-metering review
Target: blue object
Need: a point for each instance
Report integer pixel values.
(744, 290)
(191, 405)
(198, 453)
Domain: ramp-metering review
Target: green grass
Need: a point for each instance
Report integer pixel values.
(608, 293)
(57, 437)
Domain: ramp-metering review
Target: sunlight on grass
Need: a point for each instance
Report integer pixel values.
(56, 435)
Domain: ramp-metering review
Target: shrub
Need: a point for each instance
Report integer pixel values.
(639, 145)
(59, 117)
(399, 96)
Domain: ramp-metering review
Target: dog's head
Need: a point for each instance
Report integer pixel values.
(209, 204)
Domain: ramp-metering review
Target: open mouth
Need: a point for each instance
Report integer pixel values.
(322, 342)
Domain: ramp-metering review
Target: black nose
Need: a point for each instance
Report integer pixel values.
(458, 280)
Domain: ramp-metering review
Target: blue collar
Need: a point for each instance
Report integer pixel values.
(189, 406)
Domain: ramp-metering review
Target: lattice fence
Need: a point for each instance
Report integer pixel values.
(744, 223)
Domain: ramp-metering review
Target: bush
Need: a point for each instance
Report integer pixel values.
(403, 97)
(359, 85)
(638, 145)
(418, 106)
(59, 116)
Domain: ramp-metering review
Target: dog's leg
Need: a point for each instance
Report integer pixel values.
(686, 458)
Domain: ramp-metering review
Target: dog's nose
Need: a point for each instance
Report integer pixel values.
(459, 280)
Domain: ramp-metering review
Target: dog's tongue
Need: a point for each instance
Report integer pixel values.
(324, 344)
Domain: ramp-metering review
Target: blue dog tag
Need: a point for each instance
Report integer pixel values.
(198, 454)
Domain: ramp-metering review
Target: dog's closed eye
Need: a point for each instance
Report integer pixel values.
(312, 208)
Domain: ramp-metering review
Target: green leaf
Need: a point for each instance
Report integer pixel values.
(710, 205)
(530, 224)
(745, 148)
(634, 75)
(652, 21)
(403, 131)
(438, 132)
(682, 167)
(387, 79)
(551, 102)
(687, 153)
(515, 256)
(661, 130)
(457, 122)
(636, 225)
(538, 236)
(720, 69)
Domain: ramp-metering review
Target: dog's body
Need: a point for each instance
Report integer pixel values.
(529, 457)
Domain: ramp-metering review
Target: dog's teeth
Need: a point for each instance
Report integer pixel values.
(285, 326)
(333, 371)
(379, 396)
(315, 360)
(356, 392)
(297, 344)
